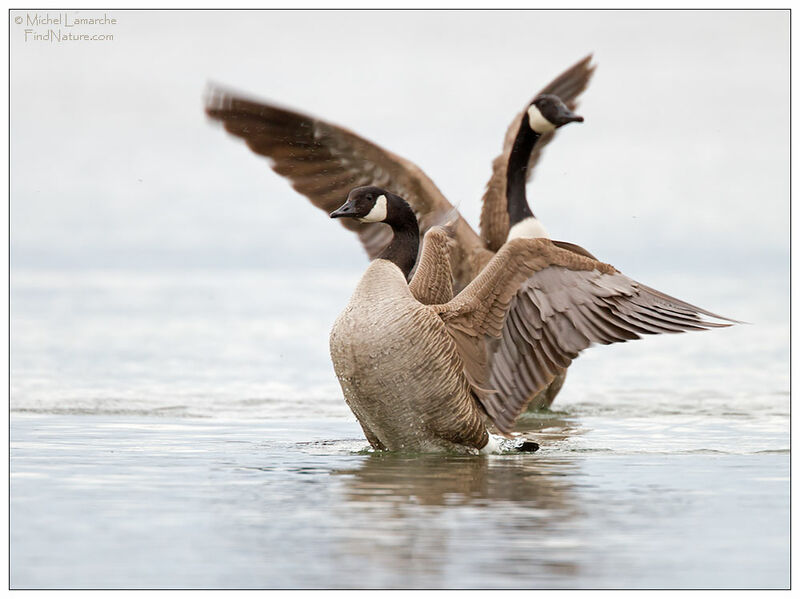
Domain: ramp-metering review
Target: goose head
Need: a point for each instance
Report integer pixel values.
(547, 113)
(370, 204)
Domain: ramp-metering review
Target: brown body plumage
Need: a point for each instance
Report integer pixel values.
(400, 371)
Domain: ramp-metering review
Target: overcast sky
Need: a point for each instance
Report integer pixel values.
(682, 162)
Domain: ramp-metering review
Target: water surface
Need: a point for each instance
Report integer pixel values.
(186, 430)
(159, 502)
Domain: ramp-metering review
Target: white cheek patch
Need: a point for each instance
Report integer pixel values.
(530, 228)
(537, 121)
(378, 212)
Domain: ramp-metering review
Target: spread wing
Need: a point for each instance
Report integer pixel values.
(536, 306)
(475, 317)
(324, 162)
(559, 312)
(494, 215)
(432, 282)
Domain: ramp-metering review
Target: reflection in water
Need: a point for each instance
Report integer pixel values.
(396, 480)
(417, 519)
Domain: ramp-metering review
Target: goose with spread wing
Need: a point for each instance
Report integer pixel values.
(324, 161)
(421, 376)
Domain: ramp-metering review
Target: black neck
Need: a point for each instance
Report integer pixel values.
(517, 173)
(405, 244)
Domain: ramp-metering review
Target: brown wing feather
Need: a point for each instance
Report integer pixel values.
(536, 306)
(560, 311)
(494, 214)
(478, 314)
(574, 248)
(432, 282)
(324, 162)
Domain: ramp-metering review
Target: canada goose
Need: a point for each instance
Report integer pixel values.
(324, 161)
(419, 377)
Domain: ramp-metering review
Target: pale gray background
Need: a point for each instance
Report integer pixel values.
(682, 162)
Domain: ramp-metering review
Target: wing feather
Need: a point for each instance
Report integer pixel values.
(432, 282)
(324, 162)
(536, 306)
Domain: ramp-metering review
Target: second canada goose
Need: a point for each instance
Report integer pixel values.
(324, 161)
(419, 377)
